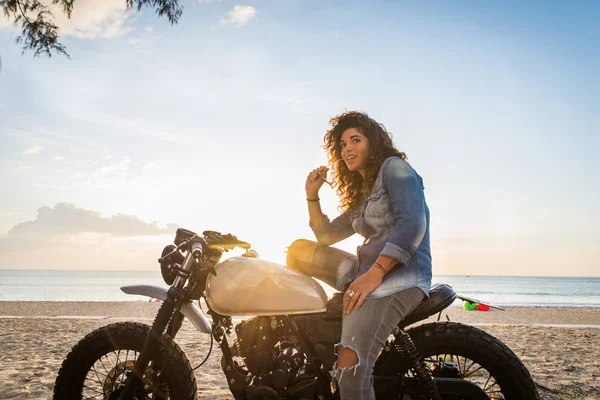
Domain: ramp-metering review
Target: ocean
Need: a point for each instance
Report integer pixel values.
(40, 285)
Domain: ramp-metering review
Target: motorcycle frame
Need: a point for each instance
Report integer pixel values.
(236, 378)
(175, 302)
(201, 323)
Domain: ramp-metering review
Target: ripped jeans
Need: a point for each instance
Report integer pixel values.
(364, 330)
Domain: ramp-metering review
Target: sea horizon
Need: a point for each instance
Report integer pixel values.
(158, 271)
(104, 285)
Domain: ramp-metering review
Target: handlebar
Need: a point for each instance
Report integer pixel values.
(229, 246)
(209, 239)
(228, 241)
(210, 246)
(197, 248)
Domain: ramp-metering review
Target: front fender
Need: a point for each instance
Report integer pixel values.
(189, 310)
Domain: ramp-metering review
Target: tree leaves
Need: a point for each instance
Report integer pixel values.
(40, 35)
(170, 8)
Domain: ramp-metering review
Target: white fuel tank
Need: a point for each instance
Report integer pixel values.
(251, 286)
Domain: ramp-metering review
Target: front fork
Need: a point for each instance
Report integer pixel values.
(164, 315)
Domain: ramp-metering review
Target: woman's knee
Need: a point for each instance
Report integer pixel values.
(300, 249)
(347, 357)
(352, 375)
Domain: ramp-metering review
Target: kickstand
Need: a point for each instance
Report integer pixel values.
(439, 315)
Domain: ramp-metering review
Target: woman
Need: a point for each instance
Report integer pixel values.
(381, 198)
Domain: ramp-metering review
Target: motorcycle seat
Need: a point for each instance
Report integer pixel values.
(441, 295)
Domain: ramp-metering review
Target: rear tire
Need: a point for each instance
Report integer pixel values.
(99, 362)
(477, 356)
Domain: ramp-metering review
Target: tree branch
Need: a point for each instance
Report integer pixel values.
(40, 35)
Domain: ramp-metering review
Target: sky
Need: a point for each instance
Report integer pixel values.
(214, 123)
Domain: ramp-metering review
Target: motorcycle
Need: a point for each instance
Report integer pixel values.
(286, 349)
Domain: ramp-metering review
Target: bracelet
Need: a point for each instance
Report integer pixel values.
(317, 199)
(380, 266)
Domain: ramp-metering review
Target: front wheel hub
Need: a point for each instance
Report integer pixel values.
(115, 381)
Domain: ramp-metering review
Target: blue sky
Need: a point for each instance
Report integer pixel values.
(215, 122)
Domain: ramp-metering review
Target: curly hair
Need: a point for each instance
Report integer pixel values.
(351, 187)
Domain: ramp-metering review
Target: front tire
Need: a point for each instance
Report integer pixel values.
(455, 350)
(98, 365)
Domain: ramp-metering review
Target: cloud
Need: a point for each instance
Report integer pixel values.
(31, 150)
(90, 19)
(112, 168)
(67, 237)
(93, 19)
(209, 1)
(22, 167)
(66, 219)
(58, 158)
(240, 15)
(8, 214)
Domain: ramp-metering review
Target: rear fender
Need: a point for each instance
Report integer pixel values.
(189, 310)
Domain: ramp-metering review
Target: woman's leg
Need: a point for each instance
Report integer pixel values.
(313, 259)
(364, 332)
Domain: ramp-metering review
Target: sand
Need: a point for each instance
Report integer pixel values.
(560, 346)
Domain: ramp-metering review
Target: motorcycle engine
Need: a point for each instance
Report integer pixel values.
(256, 341)
(269, 357)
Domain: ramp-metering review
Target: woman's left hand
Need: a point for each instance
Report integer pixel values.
(361, 288)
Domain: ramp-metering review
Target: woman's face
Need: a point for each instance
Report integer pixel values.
(355, 150)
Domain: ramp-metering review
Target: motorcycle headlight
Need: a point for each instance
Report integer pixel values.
(167, 266)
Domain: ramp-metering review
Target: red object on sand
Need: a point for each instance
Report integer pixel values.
(483, 307)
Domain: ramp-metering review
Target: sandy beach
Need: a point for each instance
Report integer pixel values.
(560, 346)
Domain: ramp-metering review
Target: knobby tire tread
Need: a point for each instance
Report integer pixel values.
(479, 346)
(73, 371)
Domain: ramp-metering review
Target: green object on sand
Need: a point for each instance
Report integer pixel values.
(470, 306)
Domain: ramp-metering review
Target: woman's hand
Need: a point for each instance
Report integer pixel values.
(360, 289)
(314, 181)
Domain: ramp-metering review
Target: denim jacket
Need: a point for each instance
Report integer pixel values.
(394, 220)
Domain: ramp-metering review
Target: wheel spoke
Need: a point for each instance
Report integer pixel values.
(486, 382)
(472, 372)
(100, 375)
(100, 382)
(110, 361)
(431, 360)
(103, 366)
(458, 364)
(469, 367)
(486, 388)
(124, 366)
(93, 389)
(96, 372)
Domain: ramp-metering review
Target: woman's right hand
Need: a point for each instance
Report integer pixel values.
(314, 181)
